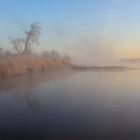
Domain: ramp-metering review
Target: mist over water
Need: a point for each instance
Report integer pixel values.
(71, 105)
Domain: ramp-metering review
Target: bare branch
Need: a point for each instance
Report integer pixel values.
(32, 37)
(24, 45)
(17, 44)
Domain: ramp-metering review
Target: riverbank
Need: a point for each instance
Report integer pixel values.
(22, 64)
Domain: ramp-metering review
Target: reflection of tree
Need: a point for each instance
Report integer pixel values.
(33, 80)
(24, 86)
(28, 98)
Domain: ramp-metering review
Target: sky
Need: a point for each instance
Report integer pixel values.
(91, 31)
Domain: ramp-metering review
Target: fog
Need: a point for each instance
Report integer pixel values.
(87, 51)
(93, 53)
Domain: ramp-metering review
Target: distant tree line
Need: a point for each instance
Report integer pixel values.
(54, 55)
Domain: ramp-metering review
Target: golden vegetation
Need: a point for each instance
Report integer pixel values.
(21, 64)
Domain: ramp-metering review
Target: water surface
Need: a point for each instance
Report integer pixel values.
(68, 105)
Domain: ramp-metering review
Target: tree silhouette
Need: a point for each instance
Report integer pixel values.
(24, 45)
(32, 37)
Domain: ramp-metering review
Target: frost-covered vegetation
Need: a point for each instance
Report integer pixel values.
(13, 65)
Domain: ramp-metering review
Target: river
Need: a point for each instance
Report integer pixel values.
(70, 105)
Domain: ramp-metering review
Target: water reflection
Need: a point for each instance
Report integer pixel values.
(27, 97)
(69, 105)
(31, 81)
(23, 87)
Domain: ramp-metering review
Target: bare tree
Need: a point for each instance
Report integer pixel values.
(46, 54)
(24, 45)
(54, 55)
(1, 52)
(17, 44)
(32, 37)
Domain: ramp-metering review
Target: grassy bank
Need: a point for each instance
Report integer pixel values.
(22, 64)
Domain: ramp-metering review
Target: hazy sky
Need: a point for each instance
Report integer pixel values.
(98, 30)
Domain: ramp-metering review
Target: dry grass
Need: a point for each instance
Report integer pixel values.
(21, 64)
